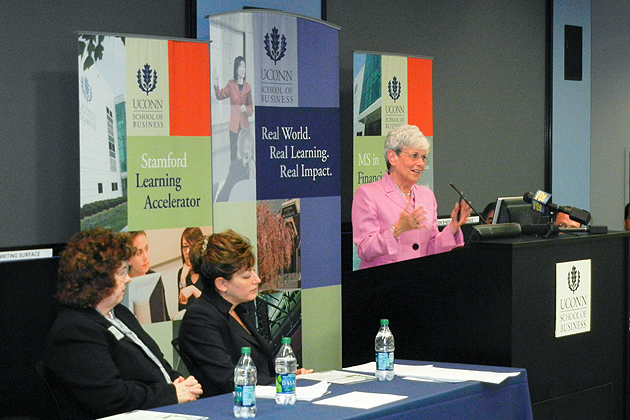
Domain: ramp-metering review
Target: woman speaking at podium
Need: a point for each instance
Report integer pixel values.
(394, 219)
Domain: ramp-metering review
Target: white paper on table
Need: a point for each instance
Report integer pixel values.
(370, 367)
(357, 399)
(152, 415)
(412, 378)
(454, 375)
(424, 373)
(338, 377)
(439, 374)
(302, 393)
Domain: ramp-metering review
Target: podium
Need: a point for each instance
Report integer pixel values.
(494, 303)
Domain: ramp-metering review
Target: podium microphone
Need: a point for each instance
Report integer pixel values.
(541, 202)
(469, 205)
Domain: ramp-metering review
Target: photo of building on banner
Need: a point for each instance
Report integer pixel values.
(389, 91)
(144, 133)
(275, 153)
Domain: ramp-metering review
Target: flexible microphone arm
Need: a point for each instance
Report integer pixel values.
(578, 215)
(469, 205)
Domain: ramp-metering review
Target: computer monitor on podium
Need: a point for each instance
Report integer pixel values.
(516, 210)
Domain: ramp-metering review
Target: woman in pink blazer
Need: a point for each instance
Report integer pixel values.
(394, 219)
(242, 107)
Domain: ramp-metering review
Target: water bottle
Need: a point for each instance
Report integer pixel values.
(245, 378)
(384, 348)
(286, 366)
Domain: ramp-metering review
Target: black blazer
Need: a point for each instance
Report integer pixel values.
(102, 372)
(212, 340)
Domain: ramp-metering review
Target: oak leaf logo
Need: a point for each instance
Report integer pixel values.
(394, 88)
(275, 45)
(147, 79)
(573, 279)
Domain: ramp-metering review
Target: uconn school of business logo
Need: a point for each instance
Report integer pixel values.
(573, 297)
(573, 279)
(394, 87)
(275, 45)
(86, 89)
(278, 86)
(147, 79)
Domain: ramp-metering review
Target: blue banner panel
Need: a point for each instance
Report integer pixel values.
(321, 241)
(297, 152)
(319, 82)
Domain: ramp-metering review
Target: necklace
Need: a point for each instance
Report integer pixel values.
(404, 194)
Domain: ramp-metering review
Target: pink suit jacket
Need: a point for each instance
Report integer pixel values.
(377, 206)
(238, 119)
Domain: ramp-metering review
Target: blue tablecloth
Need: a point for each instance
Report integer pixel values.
(465, 400)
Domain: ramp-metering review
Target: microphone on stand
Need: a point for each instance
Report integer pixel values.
(486, 231)
(541, 202)
(469, 205)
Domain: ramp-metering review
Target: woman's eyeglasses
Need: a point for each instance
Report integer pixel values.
(123, 271)
(415, 156)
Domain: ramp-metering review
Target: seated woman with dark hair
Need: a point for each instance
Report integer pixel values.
(220, 322)
(97, 352)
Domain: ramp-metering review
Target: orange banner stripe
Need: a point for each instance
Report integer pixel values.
(189, 88)
(420, 81)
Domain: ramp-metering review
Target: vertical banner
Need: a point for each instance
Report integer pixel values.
(389, 90)
(276, 153)
(145, 158)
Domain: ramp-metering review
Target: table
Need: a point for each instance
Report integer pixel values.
(465, 400)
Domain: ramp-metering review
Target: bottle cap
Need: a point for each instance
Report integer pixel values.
(246, 350)
(286, 340)
(384, 321)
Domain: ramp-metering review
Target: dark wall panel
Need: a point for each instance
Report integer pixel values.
(39, 133)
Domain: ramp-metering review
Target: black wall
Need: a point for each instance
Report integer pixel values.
(27, 310)
(489, 95)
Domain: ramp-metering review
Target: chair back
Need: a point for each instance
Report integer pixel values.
(51, 403)
(183, 364)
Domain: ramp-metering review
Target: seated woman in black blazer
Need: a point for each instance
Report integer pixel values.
(99, 357)
(219, 323)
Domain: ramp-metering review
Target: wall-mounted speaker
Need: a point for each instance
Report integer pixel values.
(572, 52)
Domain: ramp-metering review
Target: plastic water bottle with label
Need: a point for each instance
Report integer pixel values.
(286, 366)
(384, 348)
(245, 378)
